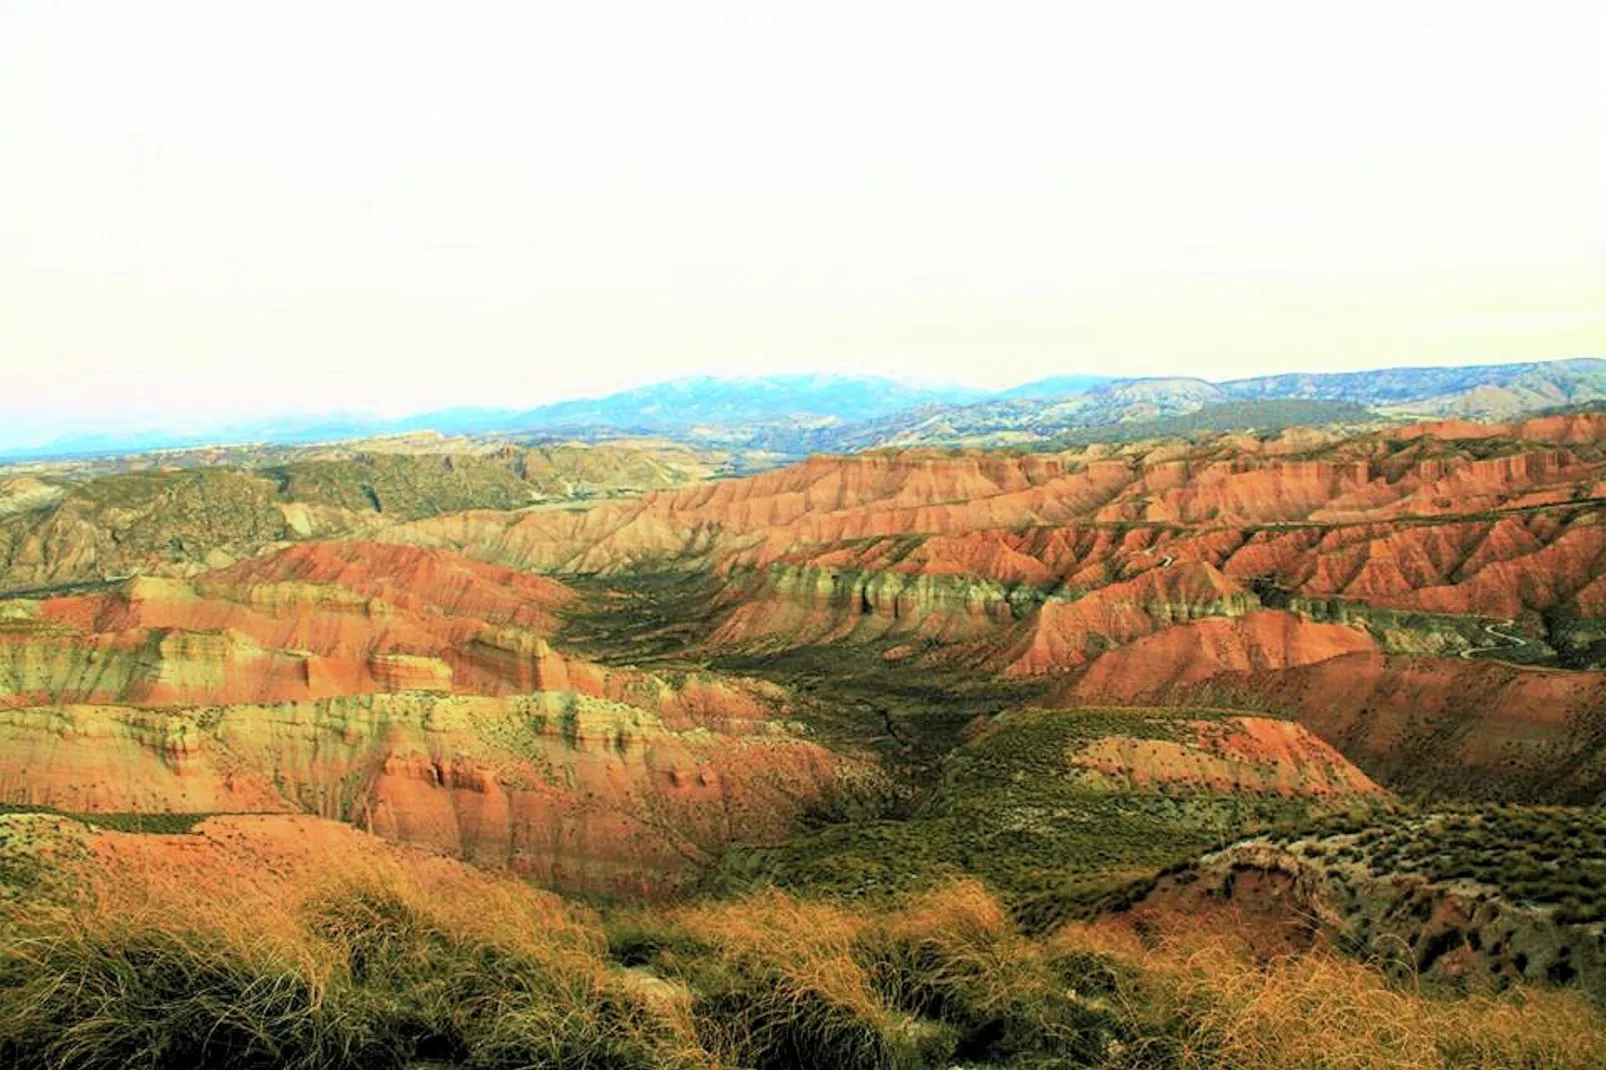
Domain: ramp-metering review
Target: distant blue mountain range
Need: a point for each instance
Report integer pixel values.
(799, 413)
(681, 403)
(1055, 386)
(661, 407)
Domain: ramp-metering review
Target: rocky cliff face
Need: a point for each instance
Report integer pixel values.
(312, 621)
(1434, 727)
(1231, 480)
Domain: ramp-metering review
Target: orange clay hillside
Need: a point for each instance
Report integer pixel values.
(1231, 480)
(1426, 600)
(316, 620)
(413, 692)
(1087, 693)
(1432, 598)
(1235, 755)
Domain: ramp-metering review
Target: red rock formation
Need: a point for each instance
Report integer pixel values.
(326, 620)
(1068, 631)
(583, 794)
(810, 547)
(1130, 574)
(1235, 755)
(1444, 724)
(1136, 572)
(1264, 641)
(408, 578)
(409, 690)
(828, 501)
(1584, 427)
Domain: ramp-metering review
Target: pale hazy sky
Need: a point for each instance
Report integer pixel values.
(217, 210)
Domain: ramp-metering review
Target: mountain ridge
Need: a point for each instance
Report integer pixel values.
(798, 414)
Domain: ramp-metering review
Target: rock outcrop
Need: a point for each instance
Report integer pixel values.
(1459, 933)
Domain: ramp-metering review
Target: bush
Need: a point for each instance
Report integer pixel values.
(1203, 998)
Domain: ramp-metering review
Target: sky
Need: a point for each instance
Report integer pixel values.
(216, 211)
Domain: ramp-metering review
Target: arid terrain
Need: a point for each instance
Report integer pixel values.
(1188, 749)
(802, 536)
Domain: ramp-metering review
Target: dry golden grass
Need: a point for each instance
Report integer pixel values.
(778, 984)
(1319, 1010)
(252, 948)
(290, 942)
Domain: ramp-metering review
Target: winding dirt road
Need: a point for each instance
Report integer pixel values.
(1510, 641)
